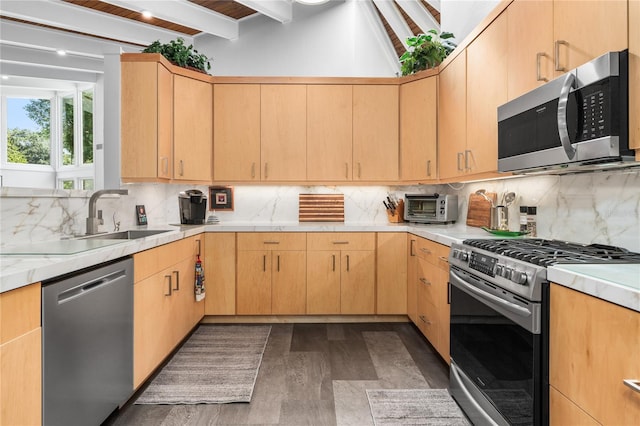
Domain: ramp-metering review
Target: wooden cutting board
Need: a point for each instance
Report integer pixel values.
(321, 208)
(479, 211)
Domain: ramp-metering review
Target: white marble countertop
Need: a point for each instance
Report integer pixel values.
(619, 284)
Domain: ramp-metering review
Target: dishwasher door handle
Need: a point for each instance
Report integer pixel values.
(84, 288)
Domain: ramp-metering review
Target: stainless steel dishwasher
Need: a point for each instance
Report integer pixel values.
(87, 344)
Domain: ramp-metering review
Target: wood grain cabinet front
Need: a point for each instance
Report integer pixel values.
(593, 349)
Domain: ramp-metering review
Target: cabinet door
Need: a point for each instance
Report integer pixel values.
(147, 123)
(236, 132)
(375, 133)
(427, 313)
(412, 279)
(329, 128)
(563, 411)
(254, 283)
(391, 260)
(593, 347)
(193, 132)
(452, 118)
(634, 76)
(220, 273)
(530, 46)
(283, 124)
(589, 28)
(486, 90)
(357, 282)
(289, 282)
(418, 130)
(323, 282)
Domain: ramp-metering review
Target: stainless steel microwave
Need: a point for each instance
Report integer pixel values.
(435, 208)
(577, 122)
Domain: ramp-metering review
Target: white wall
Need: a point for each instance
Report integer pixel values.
(336, 39)
(460, 17)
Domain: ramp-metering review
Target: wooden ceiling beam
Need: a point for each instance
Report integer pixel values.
(395, 20)
(419, 15)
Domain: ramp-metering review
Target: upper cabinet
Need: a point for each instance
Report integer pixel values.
(583, 30)
(418, 130)
(634, 76)
(283, 124)
(236, 132)
(530, 45)
(375, 132)
(192, 129)
(452, 118)
(329, 129)
(146, 120)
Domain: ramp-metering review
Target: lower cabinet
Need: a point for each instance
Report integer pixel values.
(271, 273)
(429, 293)
(593, 347)
(21, 357)
(165, 309)
(391, 271)
(412, 282)
(220, 273)
(341, 273)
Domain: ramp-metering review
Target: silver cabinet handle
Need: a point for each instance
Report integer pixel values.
(170, 285)
(466, 159)
(563, 130)
(346, 170)
(271, 242)
(539, 76)
(425, 281)
(429, 168)
(347, 263)
(460, 169)
(633, 384)
(278, 264)
(253, 170)
(556, 46)
(359, 170)
(177, 288)
(264, 263)
(266, 170)
(412, 246)
(334, 262)
(181, 168)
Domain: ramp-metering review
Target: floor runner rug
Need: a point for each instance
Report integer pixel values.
(218, 364)
(414, 407)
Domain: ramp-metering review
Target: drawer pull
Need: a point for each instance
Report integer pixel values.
(341, 242)
(633, 384)
(424, 320)
(412, 248)
(272, 242)
(444, 259)
(253, 170)
(539, 76)
(425, 250)
(425, 281)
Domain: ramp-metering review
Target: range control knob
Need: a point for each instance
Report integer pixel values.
(519, 277)
(500, 270)
(464, 256)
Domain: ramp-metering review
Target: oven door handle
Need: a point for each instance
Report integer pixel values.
(511, 307)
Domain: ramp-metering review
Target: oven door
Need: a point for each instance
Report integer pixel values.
(422, 209)
(496, 353)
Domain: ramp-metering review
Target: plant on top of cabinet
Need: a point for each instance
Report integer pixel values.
(180, 54)
(429, 50)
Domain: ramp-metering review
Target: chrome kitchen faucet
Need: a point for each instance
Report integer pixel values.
(96, 219)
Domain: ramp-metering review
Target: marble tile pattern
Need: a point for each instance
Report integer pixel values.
(316, 374)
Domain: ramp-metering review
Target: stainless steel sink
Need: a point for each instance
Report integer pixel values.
(126, 235)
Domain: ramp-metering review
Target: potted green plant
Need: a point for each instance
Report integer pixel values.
(426, 51)
(180, 54)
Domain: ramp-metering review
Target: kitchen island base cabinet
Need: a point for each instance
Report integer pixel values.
(593, 347)
(164, 306)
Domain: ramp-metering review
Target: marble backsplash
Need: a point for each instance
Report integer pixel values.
(588, 208)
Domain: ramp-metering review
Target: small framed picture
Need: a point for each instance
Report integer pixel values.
(221, 198)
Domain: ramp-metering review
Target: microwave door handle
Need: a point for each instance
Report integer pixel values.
(563, 130)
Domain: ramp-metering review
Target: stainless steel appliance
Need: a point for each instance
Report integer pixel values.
(87, 344)
(577, 122)
(434, 208)
(193, 207)
(500, 322)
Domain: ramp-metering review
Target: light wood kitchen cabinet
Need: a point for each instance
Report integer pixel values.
(146, 120)
(634, 76)
(412, 282)
(21, 356)
(452, 118)
(486, 90)
(341, 273)
(565, 412)
(220, 273)
(283, 129)
(583, 30)
(418, 130)
(391, 271)
(432, 294)
(329, 132)
(271, 273)
(192, 129)
(593, 347)
(164, 309)
(375, 132)
(530, 46)
(236, 132)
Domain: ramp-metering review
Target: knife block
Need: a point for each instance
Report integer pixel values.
(398, 217)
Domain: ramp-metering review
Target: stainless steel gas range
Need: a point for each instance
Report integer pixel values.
(500, 323)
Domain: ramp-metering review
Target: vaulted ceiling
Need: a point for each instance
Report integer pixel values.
(123, 21)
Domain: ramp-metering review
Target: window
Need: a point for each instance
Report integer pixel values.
(47, 137)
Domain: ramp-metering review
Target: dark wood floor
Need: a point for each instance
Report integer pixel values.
(315, 374)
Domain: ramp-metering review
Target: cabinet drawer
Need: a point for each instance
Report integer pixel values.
(151, 261)
(272, 241)
(431, 251)
(341, 241)
(19, 312)
(426, 280)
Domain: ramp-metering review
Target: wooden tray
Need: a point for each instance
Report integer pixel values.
(479, 211)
